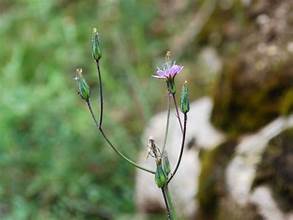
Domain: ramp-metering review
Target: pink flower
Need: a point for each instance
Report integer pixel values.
(168, 71)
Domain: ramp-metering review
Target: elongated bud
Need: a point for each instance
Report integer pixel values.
(166, 164)
(96, 48)
(184, 100)
(160, 176)
(83, 87)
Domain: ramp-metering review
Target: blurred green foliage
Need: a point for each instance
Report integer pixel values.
(54, 164)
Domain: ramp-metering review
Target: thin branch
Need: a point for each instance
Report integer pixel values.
(110, 143)
(177, 112)
(167, 125)
(101, 94)
(167, 204)
(181, 151)
(99, 124)
(170, 203)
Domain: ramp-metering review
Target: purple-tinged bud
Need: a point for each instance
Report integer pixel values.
(96, 48)
(83, 87)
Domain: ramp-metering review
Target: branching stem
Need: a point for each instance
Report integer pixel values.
(181, 151)
(169, 204)
(110, 143)
(99, 124)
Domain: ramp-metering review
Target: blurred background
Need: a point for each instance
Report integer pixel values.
(53, 163)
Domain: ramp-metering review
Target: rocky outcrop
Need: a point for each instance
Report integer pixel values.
(276, 172)
(256, 84)
(245, 169)
(247, 177)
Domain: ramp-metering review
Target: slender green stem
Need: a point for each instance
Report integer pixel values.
(167, 125)
(177, 111)
(101, 94)
(99, 125)
(169, 199)
(169, 204)
(110, 143)
(169, 214)
(182, 148)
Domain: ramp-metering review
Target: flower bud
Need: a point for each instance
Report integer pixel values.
(166, 164)
(184, 100)
(83, 87)
(160, 176)
(96, 49)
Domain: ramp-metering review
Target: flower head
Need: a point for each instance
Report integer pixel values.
(83, 87)
(168, 71)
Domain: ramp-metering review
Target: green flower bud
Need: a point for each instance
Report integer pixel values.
(83, 87)
(160, 176)
(166, 164)
(96, 49)
(184, 100)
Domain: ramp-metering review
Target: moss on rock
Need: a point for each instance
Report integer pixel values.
(276, 170)
(212, 178)
(286, 105)
(244, 103)
(228, 209)
(256, 82)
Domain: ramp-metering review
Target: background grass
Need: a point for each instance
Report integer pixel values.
(53, 163)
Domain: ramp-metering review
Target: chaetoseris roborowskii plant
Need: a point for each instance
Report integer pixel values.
(168, 71)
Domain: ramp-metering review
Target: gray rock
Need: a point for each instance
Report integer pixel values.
(239, 174)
